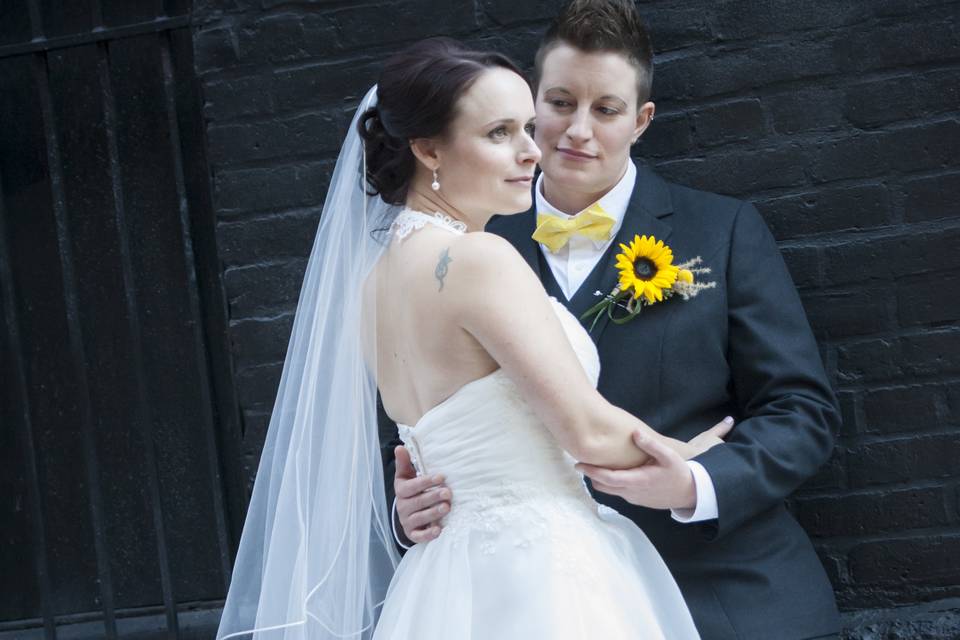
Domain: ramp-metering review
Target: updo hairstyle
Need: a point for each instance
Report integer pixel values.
(417, 95)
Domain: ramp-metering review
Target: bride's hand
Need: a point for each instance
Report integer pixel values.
(709, 438)
(665, 481)
(702, 441)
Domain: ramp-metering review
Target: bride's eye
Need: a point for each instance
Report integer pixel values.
(499, 132)
(530, 128)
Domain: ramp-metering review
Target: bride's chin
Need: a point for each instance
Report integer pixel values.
(520, 207)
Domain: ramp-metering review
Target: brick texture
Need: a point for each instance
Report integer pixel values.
(840, 120)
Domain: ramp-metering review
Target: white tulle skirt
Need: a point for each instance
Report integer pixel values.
(570, 573)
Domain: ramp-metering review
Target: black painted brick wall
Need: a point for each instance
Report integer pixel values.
(839, 119)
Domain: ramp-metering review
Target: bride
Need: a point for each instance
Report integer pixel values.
(491, 382)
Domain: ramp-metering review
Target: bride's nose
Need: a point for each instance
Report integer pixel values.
(529, 153)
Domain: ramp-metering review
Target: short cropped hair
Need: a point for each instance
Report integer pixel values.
(602, 25)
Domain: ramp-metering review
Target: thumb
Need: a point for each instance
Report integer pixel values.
(655, 448)
(722, 428)
(404, 466)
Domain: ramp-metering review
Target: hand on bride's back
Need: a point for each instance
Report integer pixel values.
(421, 500)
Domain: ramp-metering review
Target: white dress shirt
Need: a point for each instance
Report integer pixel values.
(574, 262)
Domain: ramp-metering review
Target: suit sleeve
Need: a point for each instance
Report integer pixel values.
(788, 411)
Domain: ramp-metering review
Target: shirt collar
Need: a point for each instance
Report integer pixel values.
(614, 202)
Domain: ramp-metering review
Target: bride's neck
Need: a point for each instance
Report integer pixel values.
(430, 201)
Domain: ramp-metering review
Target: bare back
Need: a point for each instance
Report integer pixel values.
(423, 355)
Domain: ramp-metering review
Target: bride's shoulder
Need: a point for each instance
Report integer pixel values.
(485, 269)
(483, 253)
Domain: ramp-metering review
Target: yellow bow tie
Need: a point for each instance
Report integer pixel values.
(554, 232)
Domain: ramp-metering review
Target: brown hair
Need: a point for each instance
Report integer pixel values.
(417, 97)
(602, 25)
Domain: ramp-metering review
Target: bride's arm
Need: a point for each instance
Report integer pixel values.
(495, 297)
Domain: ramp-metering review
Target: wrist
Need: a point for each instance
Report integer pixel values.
(398, 533)
(689, 492)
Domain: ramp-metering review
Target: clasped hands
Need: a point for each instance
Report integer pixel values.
(663, 482)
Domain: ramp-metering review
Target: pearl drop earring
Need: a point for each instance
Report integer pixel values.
(435, 185)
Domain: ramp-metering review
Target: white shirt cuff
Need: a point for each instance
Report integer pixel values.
(706, 506)
(393, 524)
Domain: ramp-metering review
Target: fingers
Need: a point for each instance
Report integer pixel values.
(408, 488)
(424, 500)
(425, 518)
(722, 428)
(656, 449)
(611, 477)
(404, 466)
(606, 488)
(425, 534)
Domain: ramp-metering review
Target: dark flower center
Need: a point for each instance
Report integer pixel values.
(644, 268)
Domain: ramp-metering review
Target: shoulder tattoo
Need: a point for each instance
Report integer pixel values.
(442, 266)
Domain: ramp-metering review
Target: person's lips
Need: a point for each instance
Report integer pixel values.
(523, 180)
(575, 154)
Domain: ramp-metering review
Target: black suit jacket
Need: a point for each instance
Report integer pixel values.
(743, 349)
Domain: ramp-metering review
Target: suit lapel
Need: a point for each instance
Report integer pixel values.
(647, 214)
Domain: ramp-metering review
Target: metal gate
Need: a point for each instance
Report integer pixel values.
(119, 498)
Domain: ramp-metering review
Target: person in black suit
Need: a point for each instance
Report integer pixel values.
(742, 348)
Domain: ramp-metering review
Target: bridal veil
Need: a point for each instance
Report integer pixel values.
(316, 555)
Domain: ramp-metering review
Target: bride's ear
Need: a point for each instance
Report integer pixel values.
(425, 150)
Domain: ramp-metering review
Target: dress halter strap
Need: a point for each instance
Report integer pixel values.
(409, 220)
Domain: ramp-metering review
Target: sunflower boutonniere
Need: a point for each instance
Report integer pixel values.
(647, 276)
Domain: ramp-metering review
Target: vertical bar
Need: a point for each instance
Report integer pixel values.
(36, 22)
(169, 8)
(77, 351)
(144, 415)
(195, 309)
(19, 385)
(96, 15)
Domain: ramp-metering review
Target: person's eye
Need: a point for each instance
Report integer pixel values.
(498, 133)
(560, 104)
(530, 128)
(607, 111)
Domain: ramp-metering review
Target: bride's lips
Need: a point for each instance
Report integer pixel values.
(522, 180)
(573, 154)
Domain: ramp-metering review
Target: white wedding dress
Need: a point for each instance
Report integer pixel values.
(525, 552)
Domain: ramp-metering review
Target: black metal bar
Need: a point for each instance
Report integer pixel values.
(206, 401)
(77, 351)
(19, 385)
(97, 35)
(96, 15)
(36, 21)
(144, 414)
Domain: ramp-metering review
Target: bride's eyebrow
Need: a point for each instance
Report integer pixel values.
(500, 121)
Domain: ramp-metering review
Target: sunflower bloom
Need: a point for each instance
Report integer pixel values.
(646, 268)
